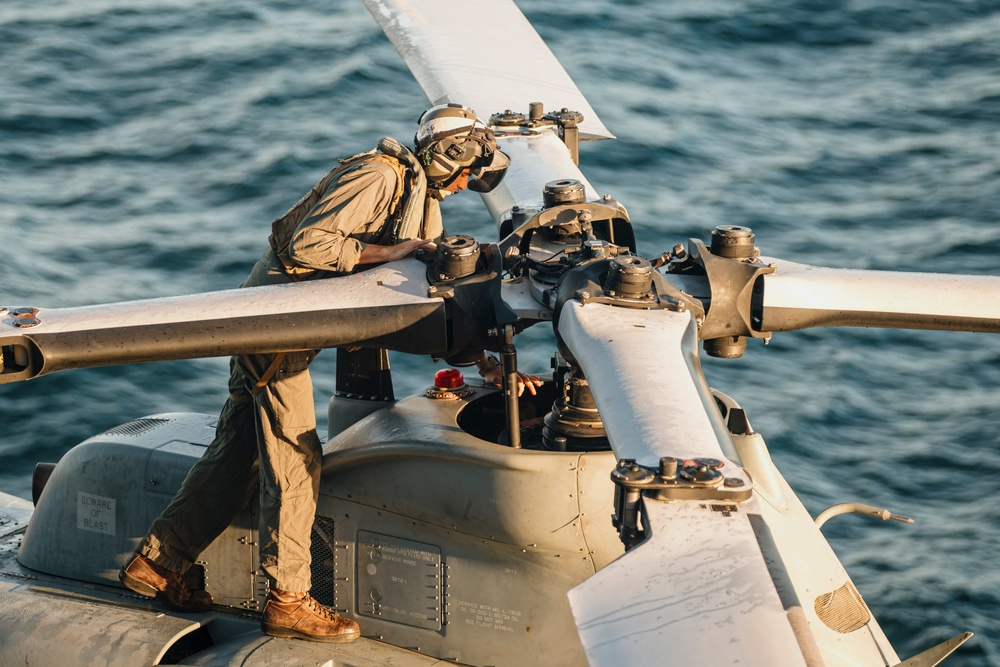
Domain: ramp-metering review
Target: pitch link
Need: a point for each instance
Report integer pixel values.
(674, 479)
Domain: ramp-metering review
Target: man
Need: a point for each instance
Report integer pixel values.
(374, 207)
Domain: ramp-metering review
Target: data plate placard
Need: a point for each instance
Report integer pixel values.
(399, 580)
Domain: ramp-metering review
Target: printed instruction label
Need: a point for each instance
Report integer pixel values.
(488, 616)
(95, 513)
(399, 580)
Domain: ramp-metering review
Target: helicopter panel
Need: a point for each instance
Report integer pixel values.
(82, 629)
(443, 476)
(475, 546)
(448, 593)
(90, 518)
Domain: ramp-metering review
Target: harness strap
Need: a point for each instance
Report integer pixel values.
(268, 374)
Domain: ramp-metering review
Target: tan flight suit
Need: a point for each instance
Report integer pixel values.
(271, 437)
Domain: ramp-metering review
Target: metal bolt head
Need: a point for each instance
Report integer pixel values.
(668, 467)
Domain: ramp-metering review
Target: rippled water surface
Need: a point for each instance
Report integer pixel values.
(146, 146)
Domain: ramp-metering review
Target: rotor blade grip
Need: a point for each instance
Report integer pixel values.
(798, 296)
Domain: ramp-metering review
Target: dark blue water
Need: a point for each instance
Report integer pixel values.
(145, 147)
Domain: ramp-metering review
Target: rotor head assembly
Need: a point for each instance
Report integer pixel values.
(450, 139)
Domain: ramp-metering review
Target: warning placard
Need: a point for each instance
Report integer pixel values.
(95, 513)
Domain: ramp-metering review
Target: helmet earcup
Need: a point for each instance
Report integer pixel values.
(451, 138)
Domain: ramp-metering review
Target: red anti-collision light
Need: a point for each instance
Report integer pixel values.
(449, 378)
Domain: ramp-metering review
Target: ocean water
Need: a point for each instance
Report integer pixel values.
(146, 146)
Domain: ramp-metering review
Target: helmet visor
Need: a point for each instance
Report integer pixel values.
(488, 172)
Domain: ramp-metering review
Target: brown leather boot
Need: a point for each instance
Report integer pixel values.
(299, 616)
(145, 577)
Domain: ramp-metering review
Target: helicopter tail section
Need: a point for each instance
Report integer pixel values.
(934, 656)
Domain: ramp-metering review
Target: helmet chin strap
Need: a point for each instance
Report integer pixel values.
(439, 194)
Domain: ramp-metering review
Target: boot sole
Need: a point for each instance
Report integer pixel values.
(137, 586)
(292, 633)
(144, 589)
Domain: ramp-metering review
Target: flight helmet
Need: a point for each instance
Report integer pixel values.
(451, 138)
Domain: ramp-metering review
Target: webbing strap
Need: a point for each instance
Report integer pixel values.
(268, 374)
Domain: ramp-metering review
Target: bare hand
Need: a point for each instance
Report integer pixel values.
(373, 254)
(524, 381)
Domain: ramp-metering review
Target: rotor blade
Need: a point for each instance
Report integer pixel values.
(483, 54)
(385, 307)
(798, 296)
(534, 161)
(698, 587)
(697, 593)
(633, 359)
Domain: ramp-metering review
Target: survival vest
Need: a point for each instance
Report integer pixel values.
(405, 210)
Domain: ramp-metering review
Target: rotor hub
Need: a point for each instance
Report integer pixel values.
(726, 347)
(565, 117)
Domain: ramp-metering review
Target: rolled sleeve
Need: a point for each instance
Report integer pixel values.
(351, 213)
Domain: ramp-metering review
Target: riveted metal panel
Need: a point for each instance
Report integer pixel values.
(399, 580)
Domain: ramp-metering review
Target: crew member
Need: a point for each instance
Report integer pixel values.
(375, 207)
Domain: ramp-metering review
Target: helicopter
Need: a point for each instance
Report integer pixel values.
(642, 492)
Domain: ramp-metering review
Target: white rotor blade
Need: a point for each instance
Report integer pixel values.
(534, 161)
(644, 372)
(697, 591)
(387, 306)
(483, 54)
(798, 296)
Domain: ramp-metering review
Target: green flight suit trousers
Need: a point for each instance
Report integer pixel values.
(271, 438)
